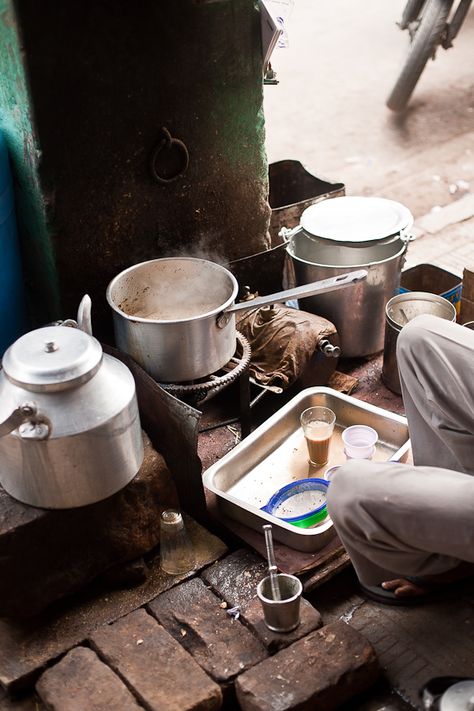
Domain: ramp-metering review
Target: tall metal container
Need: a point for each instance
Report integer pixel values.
(12, 312)
(399, 311)
(355, 233)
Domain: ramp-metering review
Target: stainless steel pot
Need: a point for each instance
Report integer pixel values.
(399, 311)
(359, 315)
(352, 232)
(176, 316)
(69, 426)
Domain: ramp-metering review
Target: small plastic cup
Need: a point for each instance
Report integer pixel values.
(330, 471)
(359, 441)
(318, 426)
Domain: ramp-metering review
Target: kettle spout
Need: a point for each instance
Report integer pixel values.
(84, 320)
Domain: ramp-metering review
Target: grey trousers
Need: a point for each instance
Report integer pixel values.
(397, 519)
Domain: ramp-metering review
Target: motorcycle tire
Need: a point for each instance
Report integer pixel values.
(426, 38)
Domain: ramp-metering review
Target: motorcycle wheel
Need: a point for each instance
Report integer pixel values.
(426, 38)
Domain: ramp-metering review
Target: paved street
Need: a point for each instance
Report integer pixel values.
(328, 111)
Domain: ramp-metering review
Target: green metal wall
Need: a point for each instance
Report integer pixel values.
(17, 126)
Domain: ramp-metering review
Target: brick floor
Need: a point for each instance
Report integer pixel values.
(81, 681)
(160, 672)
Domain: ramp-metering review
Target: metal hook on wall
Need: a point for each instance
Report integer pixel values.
(169, 159)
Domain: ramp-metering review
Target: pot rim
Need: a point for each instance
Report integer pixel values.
(362, 265)
(418, 296)
(141, 319)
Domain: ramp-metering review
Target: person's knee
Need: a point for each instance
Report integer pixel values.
(415, 337)
(348, 484)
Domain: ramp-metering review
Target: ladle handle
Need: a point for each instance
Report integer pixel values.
(272, 567)
(318, 287)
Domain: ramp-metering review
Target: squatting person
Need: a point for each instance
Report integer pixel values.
(409, 528)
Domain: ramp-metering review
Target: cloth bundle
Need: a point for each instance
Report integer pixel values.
(283, 342)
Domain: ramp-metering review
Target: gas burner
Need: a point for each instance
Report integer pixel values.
(204, 389)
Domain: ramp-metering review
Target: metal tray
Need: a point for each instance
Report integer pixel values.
(275, 454)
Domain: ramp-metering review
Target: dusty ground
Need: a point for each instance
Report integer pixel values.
(328, 111)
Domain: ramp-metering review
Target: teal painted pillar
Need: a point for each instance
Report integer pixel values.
(41, 286)
(12, 292)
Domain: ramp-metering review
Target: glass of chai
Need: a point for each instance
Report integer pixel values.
(318, 425)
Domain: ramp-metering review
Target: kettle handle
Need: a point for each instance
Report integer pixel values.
(28, 412)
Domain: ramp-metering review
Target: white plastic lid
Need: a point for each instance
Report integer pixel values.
(356, 219)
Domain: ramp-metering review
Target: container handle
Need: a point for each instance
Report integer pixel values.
(28, 412)
(407, 236)
(286, 233)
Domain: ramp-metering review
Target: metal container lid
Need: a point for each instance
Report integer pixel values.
(356, 219)
(459, 696)
(52, 358)
(405, 307)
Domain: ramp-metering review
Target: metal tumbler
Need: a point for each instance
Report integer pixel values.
(281, 615)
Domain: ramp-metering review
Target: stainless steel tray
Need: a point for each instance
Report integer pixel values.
(275, 454)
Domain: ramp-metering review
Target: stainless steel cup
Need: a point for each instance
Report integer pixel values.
(281, 615)
(399, 311)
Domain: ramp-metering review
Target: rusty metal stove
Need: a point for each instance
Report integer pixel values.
(200, 391)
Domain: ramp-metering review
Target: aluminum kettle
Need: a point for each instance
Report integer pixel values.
(70, 431)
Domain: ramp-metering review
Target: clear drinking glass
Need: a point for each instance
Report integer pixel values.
(176, 553)
(318, 426)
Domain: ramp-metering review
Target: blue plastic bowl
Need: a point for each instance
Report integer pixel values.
(310, 517)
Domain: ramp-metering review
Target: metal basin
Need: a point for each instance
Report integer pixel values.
(275, 454)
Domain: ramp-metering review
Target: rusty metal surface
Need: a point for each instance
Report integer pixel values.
(293, 188)
(172, 426)
(192, 68)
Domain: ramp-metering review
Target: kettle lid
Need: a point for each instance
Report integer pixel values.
(356, 219)
(52, 358)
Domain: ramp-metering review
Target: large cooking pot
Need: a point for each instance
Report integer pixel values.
(69, 426)
(352, 233)
(176, 316)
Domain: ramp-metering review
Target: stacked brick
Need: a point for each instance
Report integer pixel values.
(189, 649)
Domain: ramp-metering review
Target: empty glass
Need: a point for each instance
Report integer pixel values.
(176, 553)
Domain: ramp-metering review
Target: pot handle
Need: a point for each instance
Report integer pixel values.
(28, 412)
(317, 287)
